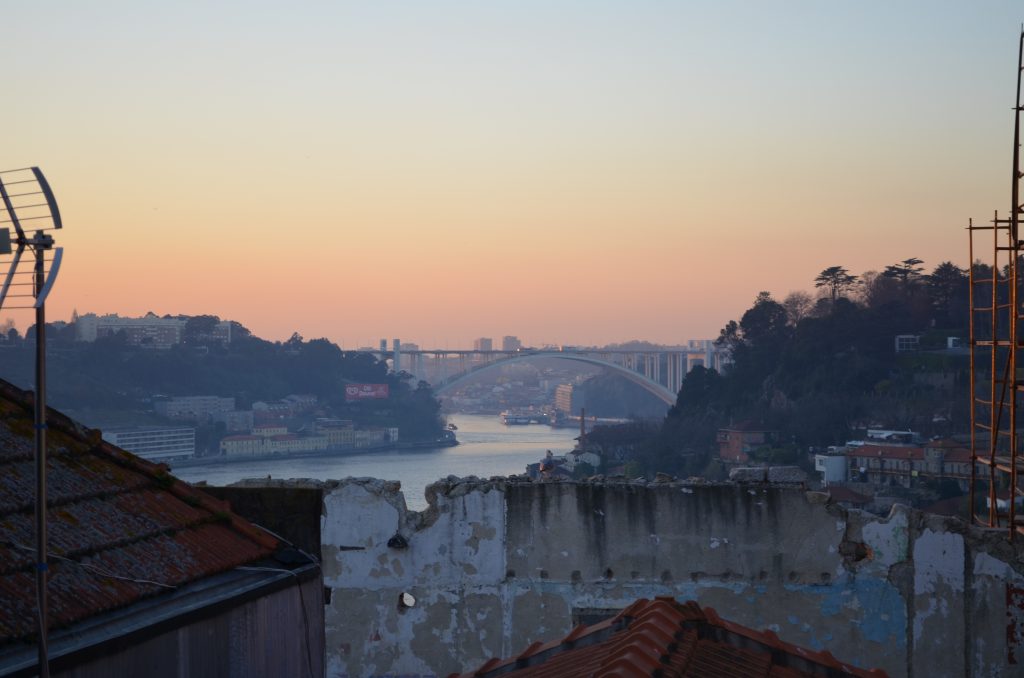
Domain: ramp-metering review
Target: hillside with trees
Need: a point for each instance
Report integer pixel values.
(108, 375)
(817, 368)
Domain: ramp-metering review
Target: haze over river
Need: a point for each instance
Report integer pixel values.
(487, 448)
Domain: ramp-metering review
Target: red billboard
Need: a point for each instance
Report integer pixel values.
(366, 392)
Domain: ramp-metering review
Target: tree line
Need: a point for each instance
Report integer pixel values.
(109, 374)
(815, 368)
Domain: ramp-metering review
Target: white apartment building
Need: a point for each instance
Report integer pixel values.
(155, 443)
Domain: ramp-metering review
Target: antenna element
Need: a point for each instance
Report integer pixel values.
(27, 199)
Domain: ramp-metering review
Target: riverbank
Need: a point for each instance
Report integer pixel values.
(486, 448)
(343, 452)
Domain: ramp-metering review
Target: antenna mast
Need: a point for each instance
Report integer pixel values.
(27, 197)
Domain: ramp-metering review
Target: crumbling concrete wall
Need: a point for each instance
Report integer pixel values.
(495, 565)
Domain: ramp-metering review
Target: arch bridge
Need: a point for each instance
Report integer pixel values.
(660, 372)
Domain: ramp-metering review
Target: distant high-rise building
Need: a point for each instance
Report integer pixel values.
(563, 398)
(511, 343)
(483, 344)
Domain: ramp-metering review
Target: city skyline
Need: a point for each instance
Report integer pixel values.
(579, 173)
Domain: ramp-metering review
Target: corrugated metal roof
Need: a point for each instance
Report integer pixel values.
(665, 638)
(120, 528)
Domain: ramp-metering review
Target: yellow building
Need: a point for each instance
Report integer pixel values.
(339, 437)
(285, 444)
(243, 445)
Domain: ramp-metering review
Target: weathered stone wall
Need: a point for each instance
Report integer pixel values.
(494, 566)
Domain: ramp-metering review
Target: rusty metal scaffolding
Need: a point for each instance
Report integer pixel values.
(997, 390)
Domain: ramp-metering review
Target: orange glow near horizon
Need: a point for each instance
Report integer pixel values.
(568, 174)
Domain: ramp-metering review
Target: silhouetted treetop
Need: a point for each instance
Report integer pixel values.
(907, 271)
(836, 280)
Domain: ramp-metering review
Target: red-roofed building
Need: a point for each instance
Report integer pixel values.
(950, 459)
(145, 571)
(735, 443)
(907, 465)
(885, 464)
(663, 637)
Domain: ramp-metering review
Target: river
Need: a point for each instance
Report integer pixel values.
(487, 448)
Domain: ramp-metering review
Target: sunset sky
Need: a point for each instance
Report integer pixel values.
(569, 172)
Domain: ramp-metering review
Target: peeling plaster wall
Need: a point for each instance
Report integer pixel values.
(495, 565)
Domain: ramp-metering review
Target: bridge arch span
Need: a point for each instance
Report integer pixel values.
(664, 394)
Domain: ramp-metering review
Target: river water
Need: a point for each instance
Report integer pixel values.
(487, 448)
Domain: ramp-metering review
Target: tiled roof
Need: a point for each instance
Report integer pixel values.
(120, 528)
(665, 638)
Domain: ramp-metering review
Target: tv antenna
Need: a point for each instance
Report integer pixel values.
(28, 203)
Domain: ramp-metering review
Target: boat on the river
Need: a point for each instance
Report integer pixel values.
(510, 418)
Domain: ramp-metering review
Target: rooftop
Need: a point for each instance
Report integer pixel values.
(663, 637)
(887, 452)
(121, 529)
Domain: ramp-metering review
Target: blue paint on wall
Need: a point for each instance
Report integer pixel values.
(883, 612)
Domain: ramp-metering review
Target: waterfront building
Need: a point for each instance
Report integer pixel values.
(511, 343)
(281, 443)
(483, 344)
(290, 442)
(340, 433)
(563, 398)
(155, 443)
(243, 445)
(340, 438)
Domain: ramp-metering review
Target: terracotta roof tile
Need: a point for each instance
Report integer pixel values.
(670, 639)
(120, 528)
(716, 660)
(887, 451)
